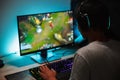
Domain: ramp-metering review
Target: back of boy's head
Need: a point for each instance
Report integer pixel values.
(92, 15)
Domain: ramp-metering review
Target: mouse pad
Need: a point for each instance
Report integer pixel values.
(24, 75)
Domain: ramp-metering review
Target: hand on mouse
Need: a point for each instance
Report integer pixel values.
(47, 74)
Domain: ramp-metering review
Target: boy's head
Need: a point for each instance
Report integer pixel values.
(92, 15)
(93, 19)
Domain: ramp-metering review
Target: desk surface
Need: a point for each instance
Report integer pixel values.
(11, 69)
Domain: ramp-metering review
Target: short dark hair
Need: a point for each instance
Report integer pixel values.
(93, 12)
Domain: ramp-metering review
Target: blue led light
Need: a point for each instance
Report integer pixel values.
(10, 11)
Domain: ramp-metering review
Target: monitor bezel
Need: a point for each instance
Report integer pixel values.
(41, 50)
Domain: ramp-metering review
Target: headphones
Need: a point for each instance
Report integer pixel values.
(82, 14)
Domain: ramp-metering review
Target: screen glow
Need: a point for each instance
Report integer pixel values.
(44, 31)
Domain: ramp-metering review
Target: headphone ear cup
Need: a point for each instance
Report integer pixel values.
(88, 21)
(109, 22)
(83, 22)
(82, 18)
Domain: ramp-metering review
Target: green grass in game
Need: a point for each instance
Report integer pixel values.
(37, 40)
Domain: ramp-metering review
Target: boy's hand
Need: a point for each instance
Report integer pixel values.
(47, 74)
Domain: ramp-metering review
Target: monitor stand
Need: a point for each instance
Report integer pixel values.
(45, 56)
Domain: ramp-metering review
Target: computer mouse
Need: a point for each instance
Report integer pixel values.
(1, 63)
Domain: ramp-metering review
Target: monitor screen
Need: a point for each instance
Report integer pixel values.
(45, 31)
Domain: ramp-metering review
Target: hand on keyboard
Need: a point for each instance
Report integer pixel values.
(62, 67)
(47, 74)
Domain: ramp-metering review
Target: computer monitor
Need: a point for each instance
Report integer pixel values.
(44, 31)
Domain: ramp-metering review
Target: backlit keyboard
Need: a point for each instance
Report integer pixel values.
(62, 67)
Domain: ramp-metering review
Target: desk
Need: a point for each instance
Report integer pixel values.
(24, 75)
(11, 69)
